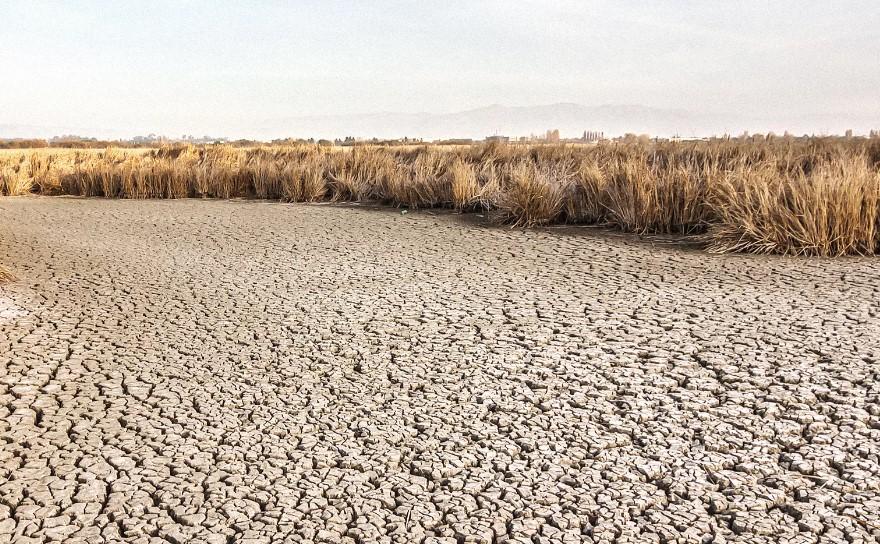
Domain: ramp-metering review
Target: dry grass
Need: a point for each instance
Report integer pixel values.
(463, 184)
(832, 210)
(643, 197)
(533, 193)
(794, 196)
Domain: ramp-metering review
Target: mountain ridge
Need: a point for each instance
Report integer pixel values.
(570, 118)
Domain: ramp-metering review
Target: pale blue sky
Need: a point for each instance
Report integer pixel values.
(218, 67)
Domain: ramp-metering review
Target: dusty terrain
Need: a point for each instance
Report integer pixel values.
(205, 371)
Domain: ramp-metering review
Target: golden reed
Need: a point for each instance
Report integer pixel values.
(803, 196)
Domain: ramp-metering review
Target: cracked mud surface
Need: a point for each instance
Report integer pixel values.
(250, 372)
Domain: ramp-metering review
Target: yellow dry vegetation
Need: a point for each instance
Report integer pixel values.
(804, 196)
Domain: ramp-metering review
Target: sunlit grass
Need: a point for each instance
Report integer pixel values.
(817, 196)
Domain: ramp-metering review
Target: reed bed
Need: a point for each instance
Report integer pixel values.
(804, 196)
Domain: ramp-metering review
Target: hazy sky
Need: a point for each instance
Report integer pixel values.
(215, 67)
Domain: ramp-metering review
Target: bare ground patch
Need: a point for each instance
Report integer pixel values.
(236, 371)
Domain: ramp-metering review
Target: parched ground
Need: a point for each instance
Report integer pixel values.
(204, 371)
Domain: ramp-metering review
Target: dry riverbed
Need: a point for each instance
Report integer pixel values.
(208, 371)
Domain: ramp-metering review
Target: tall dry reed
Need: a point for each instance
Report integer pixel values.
(814, 196)
(832, 209)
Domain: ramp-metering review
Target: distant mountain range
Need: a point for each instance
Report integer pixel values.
(570, 119)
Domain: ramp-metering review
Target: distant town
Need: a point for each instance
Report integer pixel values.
(551, 136)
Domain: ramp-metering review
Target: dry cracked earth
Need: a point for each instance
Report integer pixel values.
(205, 371)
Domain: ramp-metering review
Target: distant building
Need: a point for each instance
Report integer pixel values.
(497, 139)
(552, 135)
(848, 133)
